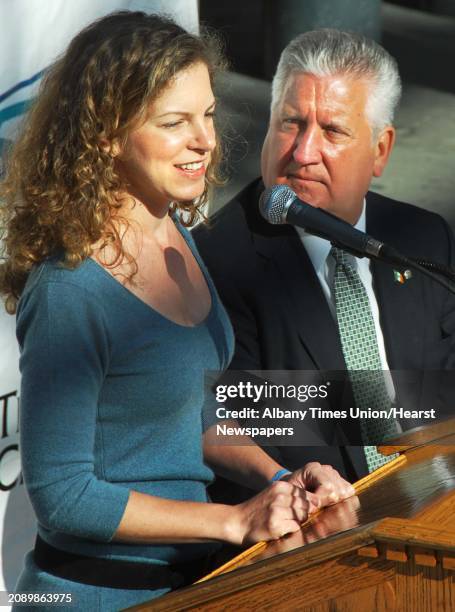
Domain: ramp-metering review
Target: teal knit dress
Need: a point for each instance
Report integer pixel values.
(111, 401)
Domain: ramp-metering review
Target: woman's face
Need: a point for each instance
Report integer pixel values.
(166, 158)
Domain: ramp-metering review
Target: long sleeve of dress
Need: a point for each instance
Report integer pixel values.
(65, 356)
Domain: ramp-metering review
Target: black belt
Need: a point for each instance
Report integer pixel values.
(114, 573)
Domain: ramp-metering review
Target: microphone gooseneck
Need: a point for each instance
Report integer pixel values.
(280, 205)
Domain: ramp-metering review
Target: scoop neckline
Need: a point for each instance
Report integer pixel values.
(154, 310)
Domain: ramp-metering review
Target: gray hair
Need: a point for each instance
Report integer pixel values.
(330, 52)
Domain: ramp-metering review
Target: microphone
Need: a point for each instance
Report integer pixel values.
(280, 205)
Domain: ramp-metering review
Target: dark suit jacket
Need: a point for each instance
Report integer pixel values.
(281, 317)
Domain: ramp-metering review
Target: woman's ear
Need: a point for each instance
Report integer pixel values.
(111, 147)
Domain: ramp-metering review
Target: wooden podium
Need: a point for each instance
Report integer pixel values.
(392, 547)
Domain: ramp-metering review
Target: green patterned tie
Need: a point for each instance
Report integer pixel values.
(361, 353)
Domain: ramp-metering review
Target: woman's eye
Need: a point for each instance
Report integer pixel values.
(172, 124)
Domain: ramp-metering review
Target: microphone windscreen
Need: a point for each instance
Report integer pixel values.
(274, 203)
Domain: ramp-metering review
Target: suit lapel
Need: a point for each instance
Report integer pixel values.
(402, 332)
(401, 321)
(302, 297)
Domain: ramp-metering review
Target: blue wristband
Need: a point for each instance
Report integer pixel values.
(279, 475)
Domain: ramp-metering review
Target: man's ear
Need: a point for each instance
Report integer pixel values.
(382, 149)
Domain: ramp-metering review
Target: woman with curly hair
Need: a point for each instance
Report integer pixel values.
(117, 320)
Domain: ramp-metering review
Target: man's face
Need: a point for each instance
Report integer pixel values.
(321, 145)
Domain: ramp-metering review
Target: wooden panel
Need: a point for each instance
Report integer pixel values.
(419, 436)
(396, 553)
(423, 589)
(425, 557)
(416, 534)
(324, 606)
(370, 552)
(440, 513)
(448, 562)
(348, 575)
(380, 598)
(302, 566)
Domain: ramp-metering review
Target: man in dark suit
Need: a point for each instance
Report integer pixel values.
(330, 132)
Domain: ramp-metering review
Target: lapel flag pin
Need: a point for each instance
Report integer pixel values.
(402, 277)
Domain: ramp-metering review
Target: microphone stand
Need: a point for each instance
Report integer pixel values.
(441, 274)
(279, 204)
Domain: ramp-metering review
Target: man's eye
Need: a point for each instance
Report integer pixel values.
(290, 123)
(337, 132)
(210, 114)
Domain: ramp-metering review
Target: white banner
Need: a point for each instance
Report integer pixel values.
(32, 34)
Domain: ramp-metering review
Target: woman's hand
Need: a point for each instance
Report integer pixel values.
(324, 481)
(280, 509)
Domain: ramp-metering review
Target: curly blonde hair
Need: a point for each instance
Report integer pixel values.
(61, 189)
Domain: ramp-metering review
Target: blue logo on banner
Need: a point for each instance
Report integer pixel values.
(14, 110)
